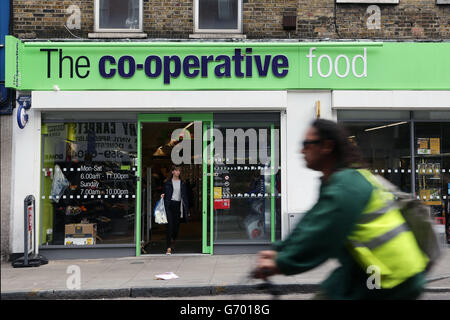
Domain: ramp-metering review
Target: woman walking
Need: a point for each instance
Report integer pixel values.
(177, 205)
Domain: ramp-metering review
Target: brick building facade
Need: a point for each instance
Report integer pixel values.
(262, 19)
(403, 27)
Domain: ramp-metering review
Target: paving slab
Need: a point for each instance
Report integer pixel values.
(199, 275)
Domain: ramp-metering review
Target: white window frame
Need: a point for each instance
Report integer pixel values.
(370, 1)
(97, 20)
(234, 31)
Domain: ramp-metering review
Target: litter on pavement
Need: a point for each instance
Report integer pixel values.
(166, 276)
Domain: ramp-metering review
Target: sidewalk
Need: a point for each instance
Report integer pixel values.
(199, 275)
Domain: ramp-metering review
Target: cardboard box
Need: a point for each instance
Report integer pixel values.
(80, 234)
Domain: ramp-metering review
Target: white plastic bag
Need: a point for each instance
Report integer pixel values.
(160, 212)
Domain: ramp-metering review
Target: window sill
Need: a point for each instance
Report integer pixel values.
(117, 35)
(217, 36)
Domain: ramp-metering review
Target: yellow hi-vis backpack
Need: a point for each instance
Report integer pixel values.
(394, 234)
(418, 218)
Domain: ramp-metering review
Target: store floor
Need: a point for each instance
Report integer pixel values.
(189, 239)
(181, 246)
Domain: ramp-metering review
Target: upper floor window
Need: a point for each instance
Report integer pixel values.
(218, 16)
(118, 15)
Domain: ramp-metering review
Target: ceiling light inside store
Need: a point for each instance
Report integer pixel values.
(386, 126)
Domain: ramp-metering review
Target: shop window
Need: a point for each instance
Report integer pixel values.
(395, 115)
(218, 16)
(386, 149)
(88, 184)
(412, 152)
(247, 181)
(118, 15)
(432, 159)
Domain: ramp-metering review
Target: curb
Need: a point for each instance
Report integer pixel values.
(145, 292)
(141, 292)
(437, 289)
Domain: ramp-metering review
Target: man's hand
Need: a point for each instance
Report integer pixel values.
(267, 254)
(266, 265)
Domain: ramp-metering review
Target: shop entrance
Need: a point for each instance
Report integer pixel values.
(162, 140)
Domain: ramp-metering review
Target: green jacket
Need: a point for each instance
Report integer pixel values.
(322, 234)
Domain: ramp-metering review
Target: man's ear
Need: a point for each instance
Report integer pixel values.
(327, 146)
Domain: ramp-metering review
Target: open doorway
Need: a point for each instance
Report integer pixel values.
(157, 145)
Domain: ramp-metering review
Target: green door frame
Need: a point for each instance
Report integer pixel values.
(207, 121)
(272, 183)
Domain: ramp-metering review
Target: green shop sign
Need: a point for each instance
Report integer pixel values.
(226, 66)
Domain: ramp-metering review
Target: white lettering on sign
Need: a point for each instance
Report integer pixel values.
(340, 66)
(347, 69)
(319, 66)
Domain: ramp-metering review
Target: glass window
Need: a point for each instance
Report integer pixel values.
(431, 115)
(389, 146)
(88, 183)
(247, 180)
(385, 147)
(432, 157)
(218, 15)
(119, 15)
(373, 115)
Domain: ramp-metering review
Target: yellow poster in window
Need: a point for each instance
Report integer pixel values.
(435, 145)
(423, 146)
(430, 196)
(217, 192)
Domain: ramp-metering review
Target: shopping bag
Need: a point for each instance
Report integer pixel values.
(160, 212)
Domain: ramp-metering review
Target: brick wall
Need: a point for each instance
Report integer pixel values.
(168, 18)
(318, 19)
(411, 19)
(46, 19)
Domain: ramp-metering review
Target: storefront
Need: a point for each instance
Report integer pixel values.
(409, 145)
(108, 119)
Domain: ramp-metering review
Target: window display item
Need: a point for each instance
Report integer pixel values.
(80, 234)
(428, 145)
(59, 185)
(73, 210)
(435, 145)
(254, 226)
